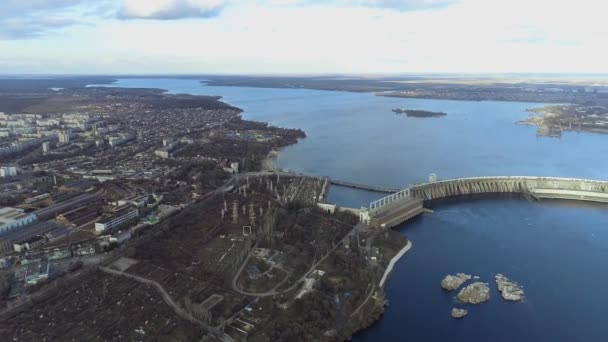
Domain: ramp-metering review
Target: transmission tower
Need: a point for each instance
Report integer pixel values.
(235, 212)
(251, 215)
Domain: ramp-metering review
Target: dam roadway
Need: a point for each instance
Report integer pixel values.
(401, 206)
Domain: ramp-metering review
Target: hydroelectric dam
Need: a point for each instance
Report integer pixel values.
(408, 203)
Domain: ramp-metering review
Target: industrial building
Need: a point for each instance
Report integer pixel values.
(49, 230)
(30, 243)
(13, 218)
(119, 219)
(37, 272)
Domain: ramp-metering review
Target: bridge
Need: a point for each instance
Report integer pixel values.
(401, 206)
(363, 186)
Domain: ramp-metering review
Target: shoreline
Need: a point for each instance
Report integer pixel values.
(393, 261)
(267, 163)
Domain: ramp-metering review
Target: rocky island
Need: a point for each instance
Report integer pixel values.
(416, 113)
(474, 293)
(459, 313)
(510, 290)
(451, 282)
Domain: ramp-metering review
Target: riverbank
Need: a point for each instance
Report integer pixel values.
(268, 162)
(394, 260)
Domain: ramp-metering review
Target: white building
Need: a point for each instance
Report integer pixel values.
(163, 153)
(118, 220)
(123, 139)
(235, 167)
(64, 137)
(9, 171)
(46, 147)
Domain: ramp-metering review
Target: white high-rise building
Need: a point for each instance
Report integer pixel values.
(46, 147)
(64, 137)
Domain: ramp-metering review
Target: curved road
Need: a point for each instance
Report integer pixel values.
(178, 309)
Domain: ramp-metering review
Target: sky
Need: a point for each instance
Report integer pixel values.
(302, 36)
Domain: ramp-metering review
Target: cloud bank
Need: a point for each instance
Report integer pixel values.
(170, 9)
(21, 19)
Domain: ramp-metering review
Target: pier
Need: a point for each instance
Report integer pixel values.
(406, 204)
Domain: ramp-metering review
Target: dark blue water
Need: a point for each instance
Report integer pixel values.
(558, 251)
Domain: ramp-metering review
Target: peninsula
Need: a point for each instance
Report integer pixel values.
(553, 120)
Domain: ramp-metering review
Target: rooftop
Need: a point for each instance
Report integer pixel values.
(10, 215)
(122, 211)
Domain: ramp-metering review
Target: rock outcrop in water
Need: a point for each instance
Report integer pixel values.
(475, 293)
(451, 282)
(510, 290)
(459, 313)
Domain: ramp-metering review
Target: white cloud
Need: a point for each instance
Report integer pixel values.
(170, 9)
(345, 36)
(402, 5)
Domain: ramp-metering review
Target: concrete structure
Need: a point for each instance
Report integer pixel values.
(37, 272)
(163, 153)
(9, 171)
(21, 146)
(50, 212)
(28, 244)
(168, 141)
(13, 218)
(234, 168)
(362, 186)
(118, 220)
(120, 140)
(329, 208)
(33, 235)
(65, 136)
(46, 147)
(399, 212)
(401, 206)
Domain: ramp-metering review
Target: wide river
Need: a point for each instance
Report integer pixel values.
(558, 251)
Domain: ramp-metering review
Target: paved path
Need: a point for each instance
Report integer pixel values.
(391, 264)
(365, 301)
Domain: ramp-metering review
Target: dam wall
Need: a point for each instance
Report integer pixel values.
(539, 187)
(406, 204)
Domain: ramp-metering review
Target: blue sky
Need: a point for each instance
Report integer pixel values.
(303, 36)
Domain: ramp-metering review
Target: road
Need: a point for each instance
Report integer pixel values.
(167, 298)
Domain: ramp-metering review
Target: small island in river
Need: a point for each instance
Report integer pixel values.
(417, 113)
